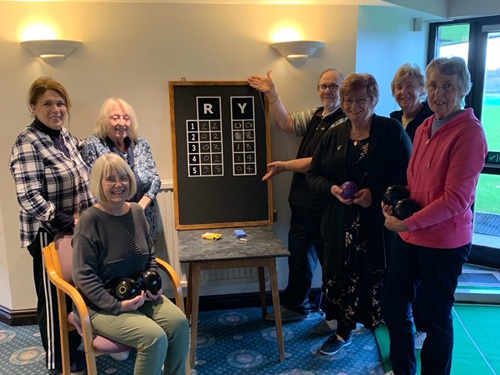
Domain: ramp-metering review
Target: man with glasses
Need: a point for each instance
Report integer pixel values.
(304, 239)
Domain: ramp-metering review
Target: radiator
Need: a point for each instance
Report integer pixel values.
(167, 248)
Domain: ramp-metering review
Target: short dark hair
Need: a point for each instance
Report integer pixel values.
(364, 81)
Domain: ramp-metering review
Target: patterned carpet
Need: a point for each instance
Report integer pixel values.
(232, 342)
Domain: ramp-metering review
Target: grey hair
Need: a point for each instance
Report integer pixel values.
(407, 70)
(451, 66)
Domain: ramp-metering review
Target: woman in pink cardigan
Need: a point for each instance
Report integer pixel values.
(434, 243)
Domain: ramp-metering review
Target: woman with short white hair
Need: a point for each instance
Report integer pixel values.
(435, 242)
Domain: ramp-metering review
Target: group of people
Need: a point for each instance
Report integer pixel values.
(375, 265)
(103, 190)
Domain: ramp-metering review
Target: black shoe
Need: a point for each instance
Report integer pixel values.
(287, 315)
(333, 345)
(324, 329)
(78, 362)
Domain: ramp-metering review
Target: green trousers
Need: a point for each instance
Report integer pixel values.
(158, 330)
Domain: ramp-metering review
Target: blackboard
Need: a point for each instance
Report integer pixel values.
(221, 147)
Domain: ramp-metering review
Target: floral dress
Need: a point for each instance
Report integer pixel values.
(355, 294)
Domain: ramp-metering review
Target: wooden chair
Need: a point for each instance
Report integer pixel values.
(58, 263)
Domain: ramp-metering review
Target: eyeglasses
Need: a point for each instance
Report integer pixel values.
(332, 87)
(118, 117)
(113, 180)
(360, 101)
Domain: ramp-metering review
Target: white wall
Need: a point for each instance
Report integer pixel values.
(467, 8)
(385, 41)
(132, 51)
(431, 7)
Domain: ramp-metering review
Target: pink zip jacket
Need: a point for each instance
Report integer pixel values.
(442, 177)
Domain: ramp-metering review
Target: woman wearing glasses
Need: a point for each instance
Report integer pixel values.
(372, 152)
(111, 242)
(116, 131)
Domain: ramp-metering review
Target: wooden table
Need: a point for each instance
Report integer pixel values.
(260, 250)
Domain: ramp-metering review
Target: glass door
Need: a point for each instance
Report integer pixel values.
(487, 208)
(478, 42)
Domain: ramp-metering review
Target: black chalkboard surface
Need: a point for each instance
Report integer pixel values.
(221, 147)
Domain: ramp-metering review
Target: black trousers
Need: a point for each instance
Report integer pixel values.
(437, 271)
(306, 246)
(48, 319)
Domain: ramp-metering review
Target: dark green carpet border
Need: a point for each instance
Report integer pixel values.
(477, 339)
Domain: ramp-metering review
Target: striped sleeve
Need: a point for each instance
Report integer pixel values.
(301, 120)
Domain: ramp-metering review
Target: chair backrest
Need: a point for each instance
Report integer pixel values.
(64, 249)
(58, 257)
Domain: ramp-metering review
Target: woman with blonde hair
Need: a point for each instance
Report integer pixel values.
(111, 242)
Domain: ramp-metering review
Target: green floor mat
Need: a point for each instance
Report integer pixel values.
(383, 341)
(477, 338)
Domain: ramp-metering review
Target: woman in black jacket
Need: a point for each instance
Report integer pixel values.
(373, 152)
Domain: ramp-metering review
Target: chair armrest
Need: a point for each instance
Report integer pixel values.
(175, 280)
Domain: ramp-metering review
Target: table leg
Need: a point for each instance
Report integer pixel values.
(195, 297)
(189, 291)
(273, 277)
(262, 289)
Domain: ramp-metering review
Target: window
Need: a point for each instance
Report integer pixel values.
(453, 40)
(478, 42)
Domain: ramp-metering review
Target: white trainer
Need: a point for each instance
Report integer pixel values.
(122, 356)
(419, 339)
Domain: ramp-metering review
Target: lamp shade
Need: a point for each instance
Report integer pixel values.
(297, 49)
(51, 49)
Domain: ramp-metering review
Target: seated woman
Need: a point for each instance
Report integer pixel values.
(111, 241)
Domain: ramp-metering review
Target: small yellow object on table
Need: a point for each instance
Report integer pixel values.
(211, 236)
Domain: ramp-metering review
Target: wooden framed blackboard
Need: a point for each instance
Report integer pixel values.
(221, 147)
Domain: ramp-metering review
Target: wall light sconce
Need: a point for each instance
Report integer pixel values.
(51, 49)
(297, 49)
